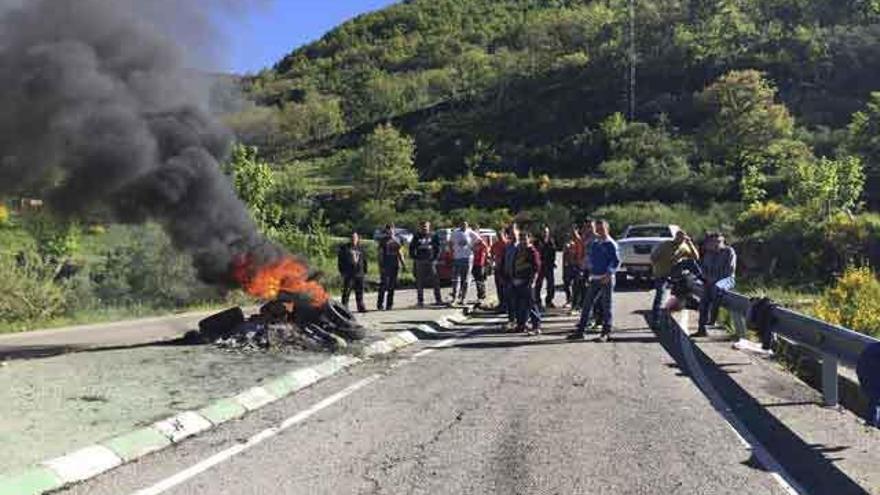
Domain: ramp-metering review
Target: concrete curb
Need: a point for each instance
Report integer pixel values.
(106, 455)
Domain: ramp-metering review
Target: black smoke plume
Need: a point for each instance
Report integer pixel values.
(99, 111)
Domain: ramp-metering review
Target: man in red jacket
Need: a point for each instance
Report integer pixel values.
(498, 250)
(481, 262)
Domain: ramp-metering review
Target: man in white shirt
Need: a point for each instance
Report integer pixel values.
(462, 243)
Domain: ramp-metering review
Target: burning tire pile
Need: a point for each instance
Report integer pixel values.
(281, 325)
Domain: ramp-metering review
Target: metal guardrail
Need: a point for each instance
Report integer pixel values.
(834, 344)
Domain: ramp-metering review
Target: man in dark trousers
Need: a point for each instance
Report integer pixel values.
(352, 263)
(390, 263)
(547, 249)
(603, 257)
(522, 264)
(424, 251)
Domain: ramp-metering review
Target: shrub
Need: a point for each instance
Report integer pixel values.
(146, 270)
(758, 217)
(56, 239)
(695, 221)
(853, 302)
(4, 216)
(27, 291)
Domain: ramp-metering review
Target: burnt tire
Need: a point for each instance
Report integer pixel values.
(340, 316)
(221, 325)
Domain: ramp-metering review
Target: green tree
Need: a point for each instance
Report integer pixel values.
(827, 186)
(317, 117)
(643, 155)
(384, 168)
(746, 129)
(254, 182)
(863, 139)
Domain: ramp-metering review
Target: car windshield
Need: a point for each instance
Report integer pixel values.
(649, 231)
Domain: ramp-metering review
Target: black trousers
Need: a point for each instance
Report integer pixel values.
(548, 277)
(387, 286)
(356, 284)
(479, 274)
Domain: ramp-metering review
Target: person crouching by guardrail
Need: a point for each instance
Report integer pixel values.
(666, 257)
(604, 260)
(719, 276)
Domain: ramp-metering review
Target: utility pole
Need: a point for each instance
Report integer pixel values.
(633, 60)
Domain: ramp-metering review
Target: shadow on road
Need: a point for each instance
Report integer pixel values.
(806, 463)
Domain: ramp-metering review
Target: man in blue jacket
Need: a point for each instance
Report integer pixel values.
(604, 260)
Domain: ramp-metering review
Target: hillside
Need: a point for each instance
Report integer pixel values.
(527, 82)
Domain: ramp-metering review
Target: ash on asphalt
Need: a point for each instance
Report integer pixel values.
(56, 405)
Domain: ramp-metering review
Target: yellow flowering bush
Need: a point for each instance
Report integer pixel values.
(853, 302)
(4, 215)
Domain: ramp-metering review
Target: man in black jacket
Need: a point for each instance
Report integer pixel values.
(547, 249)
(352, 263)
(424, 250)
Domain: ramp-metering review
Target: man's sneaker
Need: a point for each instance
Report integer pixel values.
(700, 333)
(537, 331)
(577, 335)
(420, 304)
(605, 336)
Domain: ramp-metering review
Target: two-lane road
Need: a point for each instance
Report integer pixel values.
(490, 413)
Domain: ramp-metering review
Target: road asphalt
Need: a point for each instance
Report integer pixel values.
(489, 412)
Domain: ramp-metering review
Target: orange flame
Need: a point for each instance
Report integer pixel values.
(286, 275)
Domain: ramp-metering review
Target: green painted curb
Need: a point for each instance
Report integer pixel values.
(222, 411)
(31, 482)
(283, 386)
(137, 443)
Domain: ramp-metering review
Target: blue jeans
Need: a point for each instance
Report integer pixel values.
(661, 287)
(524, 305)
(461, 272)
(603, 294)
(711, 301)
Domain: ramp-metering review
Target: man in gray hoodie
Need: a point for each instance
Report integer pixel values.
(719, 276)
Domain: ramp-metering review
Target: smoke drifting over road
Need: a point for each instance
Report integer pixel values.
(99, 110)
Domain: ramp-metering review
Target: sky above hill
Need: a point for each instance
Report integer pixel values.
(269, 33)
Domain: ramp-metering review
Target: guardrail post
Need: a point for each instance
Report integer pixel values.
(829, 380)
(739, 324)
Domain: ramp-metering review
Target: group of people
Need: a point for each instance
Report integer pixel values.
(469, 254)
(525, 266)
(713, 264)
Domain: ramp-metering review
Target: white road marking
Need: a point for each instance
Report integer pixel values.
(224, 455)
(255, 440)
(776, 471)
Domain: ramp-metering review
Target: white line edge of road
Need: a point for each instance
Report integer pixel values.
(227, 454)
(775, 469)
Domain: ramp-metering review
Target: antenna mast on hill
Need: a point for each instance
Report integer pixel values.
(631, 73)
